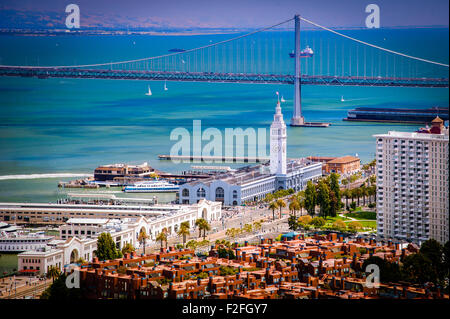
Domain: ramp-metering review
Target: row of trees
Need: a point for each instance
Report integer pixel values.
(184, 231)
(307, 222)
(326, 194)
(364, 192)
(246, 229)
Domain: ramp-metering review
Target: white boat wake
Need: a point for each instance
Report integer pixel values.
(37, 176)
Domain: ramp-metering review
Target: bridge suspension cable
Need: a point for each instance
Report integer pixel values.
(159, 56)
(373, 45)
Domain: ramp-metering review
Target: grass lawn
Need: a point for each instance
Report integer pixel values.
(370, 224)
(364, 215)
(331, 220)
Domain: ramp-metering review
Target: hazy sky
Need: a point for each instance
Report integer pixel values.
(251, 13)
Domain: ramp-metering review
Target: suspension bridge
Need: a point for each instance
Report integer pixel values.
(262, 56)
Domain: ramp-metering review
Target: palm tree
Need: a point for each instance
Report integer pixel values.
(281, 204)
(142, 238)
(162, 237)
(202, 225)
(273, 206)
(357, 192)
(294, 206)
(53, 272)
(184, 231)
(364, 193)
(346, 194)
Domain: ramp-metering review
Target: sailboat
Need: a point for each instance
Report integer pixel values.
(165, 86)
(149, 91)
(342, 98)
(282, 99)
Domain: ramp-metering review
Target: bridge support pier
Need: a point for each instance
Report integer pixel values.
(297, 118)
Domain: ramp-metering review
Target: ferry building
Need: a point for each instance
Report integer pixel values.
(252, 183)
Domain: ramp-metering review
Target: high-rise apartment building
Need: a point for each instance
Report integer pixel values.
(412, 184)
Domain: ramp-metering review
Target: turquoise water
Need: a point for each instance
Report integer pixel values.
(73, 125)
(8, 263)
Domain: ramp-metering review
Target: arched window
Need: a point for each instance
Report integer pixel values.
(235, 194)
(220, 193)
(201, 192)
(185, 192)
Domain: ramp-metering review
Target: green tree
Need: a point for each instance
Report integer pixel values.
(127, 248)
(334, 205)
(434, 251)
(257, 225)
(281, 204)
(318, 222)
(334, 187)
(339, 225)
(142, 238)
(202, 225)
(269, 197)
(184, 231)
(162, 237)
(389, 271)
(53, 272)
(418, 269)
(347, 195)
(292, 222)
(305, 220)
(446, 260)
(248, 228)
(58, 290)
(106, 248)
(192, 244)
(310, 198)
(354, 226)
(273, 206)
(323, 198)
(294, 206)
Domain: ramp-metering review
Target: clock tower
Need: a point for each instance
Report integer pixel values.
(278, 143)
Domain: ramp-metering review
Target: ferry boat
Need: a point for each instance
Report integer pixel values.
(151, 187)
(305, 53)
(17, 242)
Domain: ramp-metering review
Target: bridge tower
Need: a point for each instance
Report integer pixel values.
(297, 118)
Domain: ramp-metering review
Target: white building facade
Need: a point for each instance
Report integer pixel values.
(71, 247)
(412, 186)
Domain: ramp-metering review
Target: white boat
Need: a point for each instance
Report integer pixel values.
(165, 86)
(342, 99)
(149, 91)
(282, 99)
(156, 186)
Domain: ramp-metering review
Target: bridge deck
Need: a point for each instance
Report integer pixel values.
(43, 73)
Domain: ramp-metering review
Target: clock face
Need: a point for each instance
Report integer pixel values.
(275, 148)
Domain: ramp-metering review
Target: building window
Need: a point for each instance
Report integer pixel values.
(220, 193)
(201, 192)
(185, 192)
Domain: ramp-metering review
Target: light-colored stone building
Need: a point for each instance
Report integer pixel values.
(75, 241)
